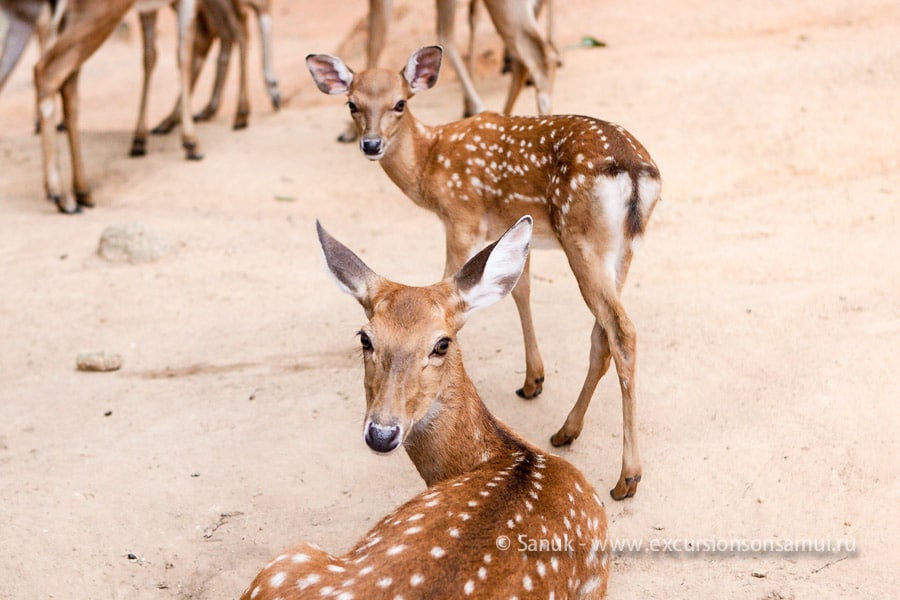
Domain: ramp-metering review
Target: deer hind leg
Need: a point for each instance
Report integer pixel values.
(534, 365)
(599, 288)
(598, 365)
(148, 36)
(264, 19)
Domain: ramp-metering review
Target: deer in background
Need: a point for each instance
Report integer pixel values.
(530, 52)
(589, 185)
(488, 489)
(225, 20)
(87, 24)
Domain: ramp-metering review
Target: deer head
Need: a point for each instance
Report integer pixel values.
(377, 97)
(408, 344)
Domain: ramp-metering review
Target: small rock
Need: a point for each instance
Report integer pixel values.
(134, 243)
(99, 361)
(758, 574)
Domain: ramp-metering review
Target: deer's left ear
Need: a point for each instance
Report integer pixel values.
(330, 73)
(422, 68)
(494, 272)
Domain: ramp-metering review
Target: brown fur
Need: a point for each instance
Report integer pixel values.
(486, 484)
(589, 185)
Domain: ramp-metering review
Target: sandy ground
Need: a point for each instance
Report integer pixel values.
(766, 297)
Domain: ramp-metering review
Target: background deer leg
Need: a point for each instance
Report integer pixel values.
(534, 365)
(187, 19)
(264, 18)
(70, 114)
(148, 36)
(446, 26)
(243, 106)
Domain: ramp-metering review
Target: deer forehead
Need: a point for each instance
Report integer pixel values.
(412, 315)
(377, 85)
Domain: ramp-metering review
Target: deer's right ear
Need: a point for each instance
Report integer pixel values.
(349, 271)
(494, 272)
(330, 73)
(422, 68)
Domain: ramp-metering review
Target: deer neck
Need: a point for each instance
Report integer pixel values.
(407, 155)
(459, 433)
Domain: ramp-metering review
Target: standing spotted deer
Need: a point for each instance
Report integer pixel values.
(589, 185)
(500, 518)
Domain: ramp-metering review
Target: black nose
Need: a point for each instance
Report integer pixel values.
(382, 438)
(372, 146)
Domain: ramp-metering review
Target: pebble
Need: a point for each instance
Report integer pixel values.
(99, 361)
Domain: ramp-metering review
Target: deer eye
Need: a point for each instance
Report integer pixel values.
(353, 107)
(365, 341)
(401, 104)
(440, 349)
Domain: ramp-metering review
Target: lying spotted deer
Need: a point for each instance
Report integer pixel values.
(88, 23)
(500, 517)
(589, 185)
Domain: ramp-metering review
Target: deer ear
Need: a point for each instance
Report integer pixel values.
(494, 272)
(422, 68)
(330, 73)
(350, 273)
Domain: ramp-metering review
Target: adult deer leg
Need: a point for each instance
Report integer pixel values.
(534, 365)
(446, 26)
(264, 18)
(148, 36)
(70, 114)
(187, 12)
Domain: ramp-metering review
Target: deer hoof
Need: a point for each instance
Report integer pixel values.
(626, 488)
(538, 388)
(559, 439)
(191, 152)
(84, 199)
(61, 206)
(138, 148)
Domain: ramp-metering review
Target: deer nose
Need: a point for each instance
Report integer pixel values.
(372, 146)
(382, 438)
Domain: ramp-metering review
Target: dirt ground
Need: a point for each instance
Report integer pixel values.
(766, 296)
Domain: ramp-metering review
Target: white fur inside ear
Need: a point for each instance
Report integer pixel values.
(502, 269)
(330, 73)
(409, 73)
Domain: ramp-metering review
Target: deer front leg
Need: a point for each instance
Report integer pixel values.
(264, 19)
(243, 107)
(148, 36)
(70, 114)
(534, 365)
(187, 19)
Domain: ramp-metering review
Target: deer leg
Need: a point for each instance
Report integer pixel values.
(446, 25)
(534, 365)
(265, 35)
(518, 74)
(597, 367)
(70, 114)
(148, 35)
(600, 291)
(203, 40)
(243, 107)
(187, 19)
(222, 61)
